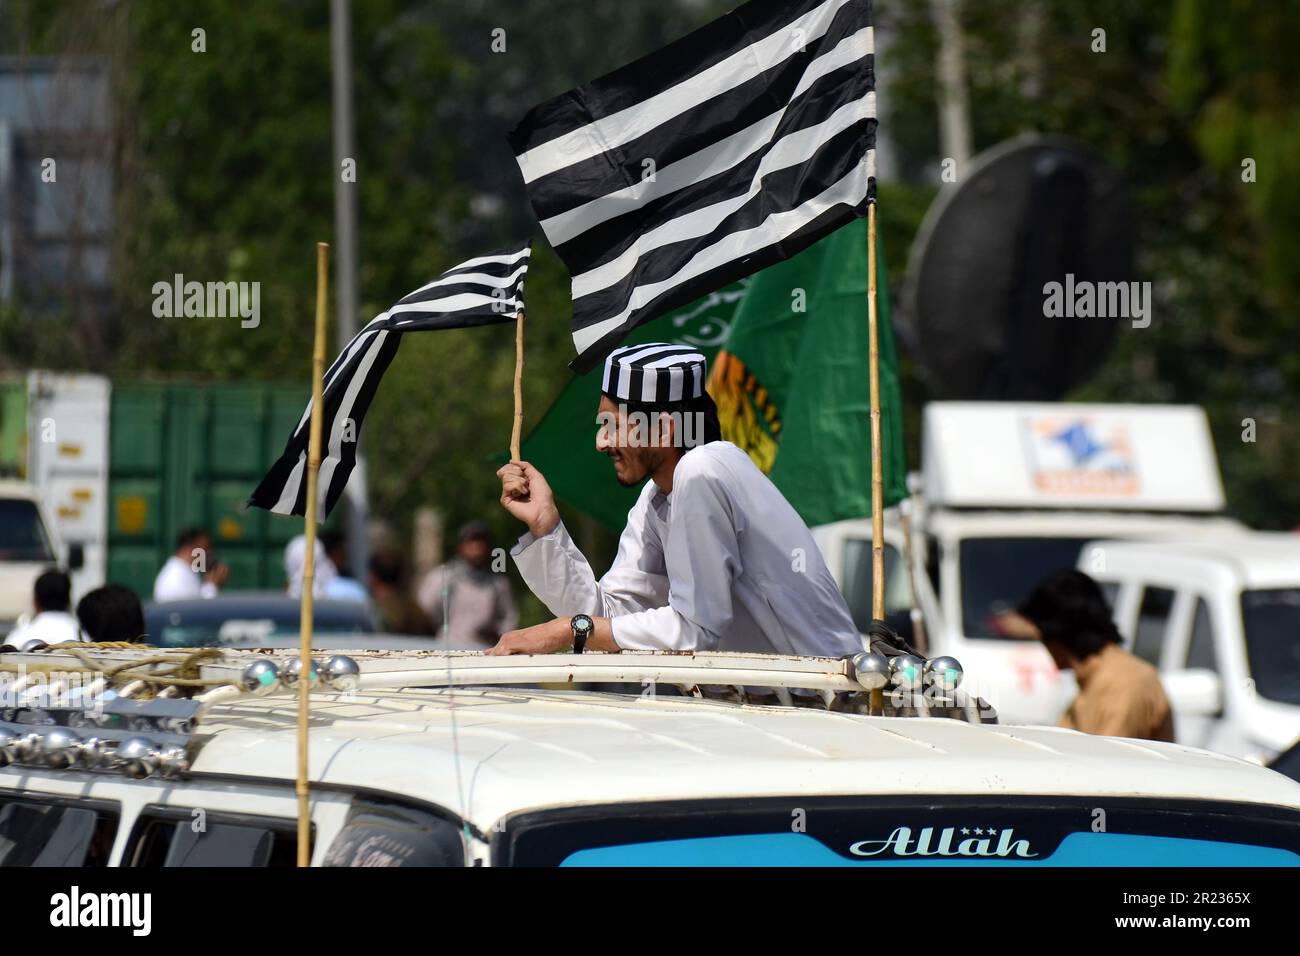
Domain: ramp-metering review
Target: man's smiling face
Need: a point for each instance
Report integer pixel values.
(633, 452)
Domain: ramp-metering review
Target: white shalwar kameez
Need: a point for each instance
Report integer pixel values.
(722, 563)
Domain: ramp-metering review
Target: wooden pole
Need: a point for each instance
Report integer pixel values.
(309, 560)
(877, 477)
(876, 700)
(516, 432)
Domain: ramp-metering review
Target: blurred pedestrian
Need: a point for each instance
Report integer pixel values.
(326, 582)
(51, 624)
(345, 586)
(398, 613)
(1119, 693)
(465, 599)
(112, 613)
(187, 574)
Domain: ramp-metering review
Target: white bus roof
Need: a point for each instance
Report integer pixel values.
(1026, 455)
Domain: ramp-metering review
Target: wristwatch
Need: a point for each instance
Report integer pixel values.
(582, 627)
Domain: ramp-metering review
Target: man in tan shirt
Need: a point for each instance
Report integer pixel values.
(468, 599)
(1119, 694)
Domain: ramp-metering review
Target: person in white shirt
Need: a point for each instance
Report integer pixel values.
(326, 581)
(188, 574)
(52, 623)
(713, 557)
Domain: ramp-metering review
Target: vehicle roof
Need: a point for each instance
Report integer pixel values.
(1259, 559)
(1076, 523)
(489, 752)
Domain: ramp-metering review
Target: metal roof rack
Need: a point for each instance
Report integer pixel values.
(134, 709)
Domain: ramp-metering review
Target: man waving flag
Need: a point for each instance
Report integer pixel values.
(480, 291)
(725, 152)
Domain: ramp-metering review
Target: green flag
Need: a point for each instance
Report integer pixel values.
(787, 351)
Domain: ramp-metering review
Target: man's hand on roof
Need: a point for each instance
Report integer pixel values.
(556, 635)
(538, 639)
(527, 496)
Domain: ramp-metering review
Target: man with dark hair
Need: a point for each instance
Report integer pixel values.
(1119, 694)
(51, 624)
(712, 558)
(189, 573)
(112, 613)
(469, 601)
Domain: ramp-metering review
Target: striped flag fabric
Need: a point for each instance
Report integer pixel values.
(480, 291)
(729, 150)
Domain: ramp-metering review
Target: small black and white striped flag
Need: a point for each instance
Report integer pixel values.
(717, 156)
(479, 291)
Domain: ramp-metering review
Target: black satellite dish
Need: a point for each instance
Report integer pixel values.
(1030, 211)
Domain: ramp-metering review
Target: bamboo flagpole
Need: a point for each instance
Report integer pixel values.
(877, 478)
(516, 431)
(876, 701)
(309, 560)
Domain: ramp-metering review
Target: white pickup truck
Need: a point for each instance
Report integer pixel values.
(1220, 619)
(457, 759)
(1009, 493)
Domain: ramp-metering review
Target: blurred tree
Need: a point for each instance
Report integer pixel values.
(1235, 78)
(1180, 96)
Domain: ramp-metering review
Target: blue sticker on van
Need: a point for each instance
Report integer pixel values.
(800, 849)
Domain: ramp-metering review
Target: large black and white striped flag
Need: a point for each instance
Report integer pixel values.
(723, 153)
(479, 291)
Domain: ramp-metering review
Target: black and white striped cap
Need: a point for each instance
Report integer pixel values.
(654, 372)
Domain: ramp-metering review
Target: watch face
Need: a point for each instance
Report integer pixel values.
(581, 623)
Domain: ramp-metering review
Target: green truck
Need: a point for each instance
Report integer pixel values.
(123, 467)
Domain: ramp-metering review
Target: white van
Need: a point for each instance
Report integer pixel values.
(452, 759)
(1010, 493)
(1220, 618)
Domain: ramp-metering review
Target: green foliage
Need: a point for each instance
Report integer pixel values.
(1235, 78)
(238, 174)
(1182, 94)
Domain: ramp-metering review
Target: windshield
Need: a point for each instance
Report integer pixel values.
(22, 535)
(1272, 622)
(997, 574)
(880, 831)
